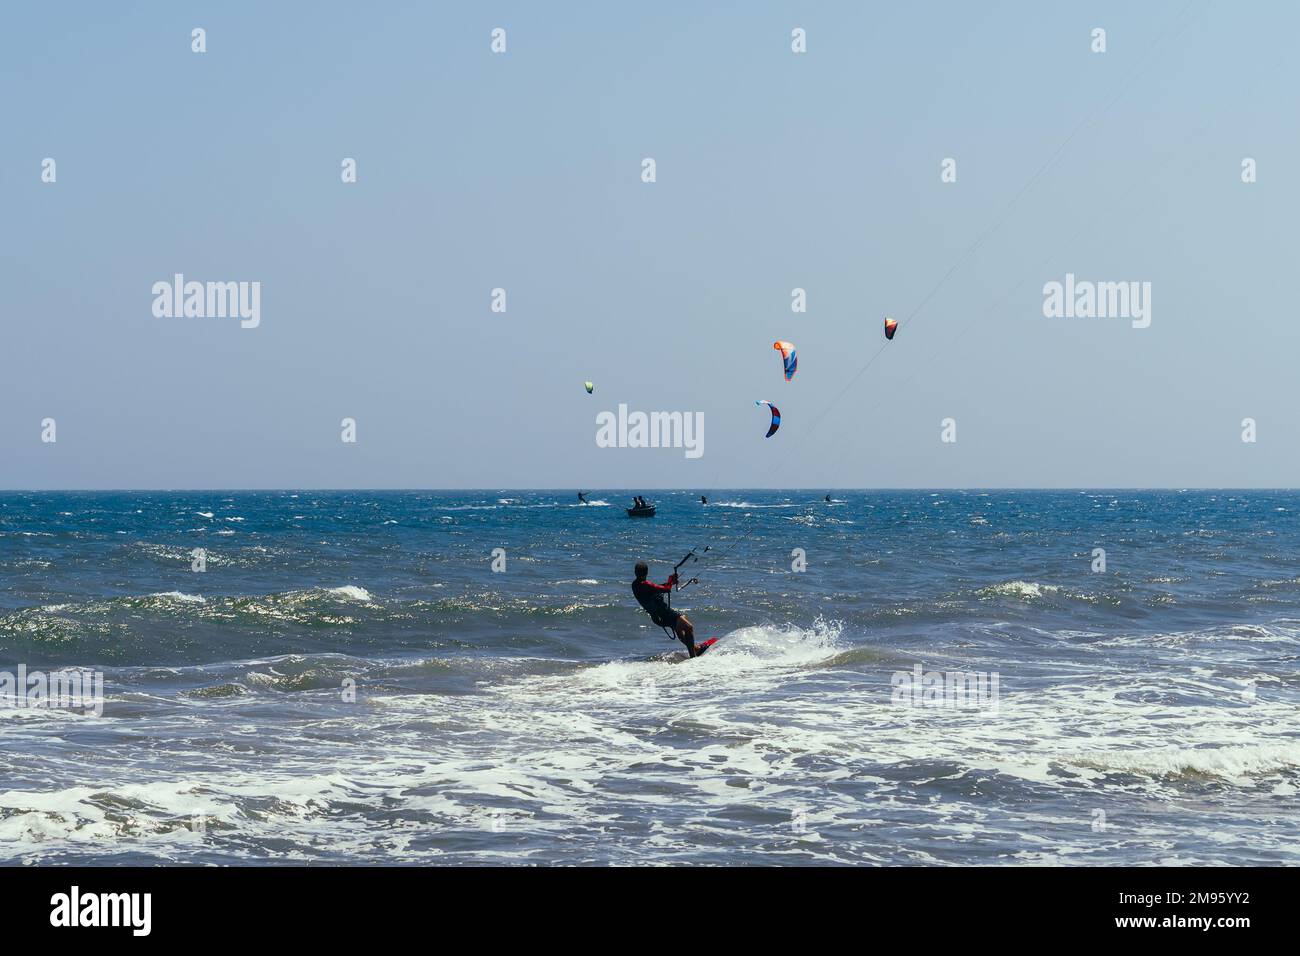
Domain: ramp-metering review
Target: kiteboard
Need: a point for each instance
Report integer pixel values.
(677, 657)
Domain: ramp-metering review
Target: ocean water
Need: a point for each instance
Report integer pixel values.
(1146, 713)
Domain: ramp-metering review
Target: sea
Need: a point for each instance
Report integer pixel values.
(463, 678)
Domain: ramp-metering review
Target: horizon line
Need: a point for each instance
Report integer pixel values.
(573, 489)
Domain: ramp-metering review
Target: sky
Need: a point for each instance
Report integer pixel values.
(523, 170)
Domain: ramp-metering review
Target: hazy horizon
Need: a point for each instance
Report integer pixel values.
(635, 489)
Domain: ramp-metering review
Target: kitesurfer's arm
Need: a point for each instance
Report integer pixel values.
(666, 586)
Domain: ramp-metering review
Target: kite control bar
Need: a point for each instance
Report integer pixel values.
(690, 556)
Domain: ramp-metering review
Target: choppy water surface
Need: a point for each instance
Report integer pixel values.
(1146, 713)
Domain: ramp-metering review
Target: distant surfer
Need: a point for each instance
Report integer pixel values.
(582, 497)
(703, 500)
(651, 597)
(828, 499)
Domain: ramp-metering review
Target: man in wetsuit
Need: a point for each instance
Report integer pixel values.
(651, 597)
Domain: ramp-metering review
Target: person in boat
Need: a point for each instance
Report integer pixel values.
(651, 597)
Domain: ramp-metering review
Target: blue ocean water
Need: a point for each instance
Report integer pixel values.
(349, 680)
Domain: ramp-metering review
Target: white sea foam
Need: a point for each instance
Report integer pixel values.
(350, 592)
(1021, 589)
(776, 720)
(180, 597)
(752, 506)
(1239, 762)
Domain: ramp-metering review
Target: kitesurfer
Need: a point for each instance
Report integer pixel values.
(582, 497)
(651, 597)
(704, 500)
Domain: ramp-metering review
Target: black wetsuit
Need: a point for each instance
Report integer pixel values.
(651, 597)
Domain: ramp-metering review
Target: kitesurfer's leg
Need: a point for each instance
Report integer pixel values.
(686, 633)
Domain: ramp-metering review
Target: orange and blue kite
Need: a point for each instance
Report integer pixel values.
(788, 359)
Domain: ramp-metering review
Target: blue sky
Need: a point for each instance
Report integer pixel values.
(522, 171)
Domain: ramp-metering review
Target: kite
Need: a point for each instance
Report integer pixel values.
(788, 359)
(891, 326)
(776, 418)
(589, 387)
